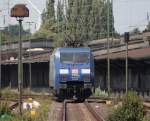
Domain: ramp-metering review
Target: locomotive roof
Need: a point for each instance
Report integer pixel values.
(83, 49)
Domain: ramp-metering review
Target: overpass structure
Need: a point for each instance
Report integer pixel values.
(139, 64)
(36, 52)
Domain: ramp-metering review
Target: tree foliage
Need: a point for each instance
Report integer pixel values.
(148, 26)
(11, 33)
(87, 20)
(47, 29)
(135, 31)
(74, 22)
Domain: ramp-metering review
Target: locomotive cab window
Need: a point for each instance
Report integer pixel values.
(81, 57)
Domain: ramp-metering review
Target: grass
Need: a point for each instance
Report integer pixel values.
(13, 93)
(41, 113)
(8, 92)
(100, 93)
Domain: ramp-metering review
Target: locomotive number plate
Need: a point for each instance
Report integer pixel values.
(75, 75)
(75, 71)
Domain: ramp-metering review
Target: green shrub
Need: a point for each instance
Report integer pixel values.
(146, 118)
(8, 93)
(99, 92)
(4, 108)
(131, 110)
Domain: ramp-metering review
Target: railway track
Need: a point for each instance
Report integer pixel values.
(12, 103)
(96, 115)
(64, 111)
(79, 112)
(8, 99)
(25, 96)
(93, 109)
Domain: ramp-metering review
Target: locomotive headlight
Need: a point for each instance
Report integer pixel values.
(85, 71)
(64, 71)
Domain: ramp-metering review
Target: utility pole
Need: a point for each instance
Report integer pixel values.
(8, 5)
(126, 38)
(108, 47)
(0, 61)
(30, 63)
(112, 22)
(126, 67)
(1, 28)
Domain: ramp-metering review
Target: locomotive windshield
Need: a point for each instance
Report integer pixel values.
(69, 57)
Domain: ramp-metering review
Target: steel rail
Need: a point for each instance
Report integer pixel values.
(64, 111)
(26, 95)
(11, 107)
(8, 99)
(97, 116)
(14, 102)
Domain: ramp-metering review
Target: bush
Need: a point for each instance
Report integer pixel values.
(146, 119)
(131, 110)
(8, 93)
(99, 92)
(4, 108)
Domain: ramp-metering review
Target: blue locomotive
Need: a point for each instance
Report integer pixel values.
(72, 72)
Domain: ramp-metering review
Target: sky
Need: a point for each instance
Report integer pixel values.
(128, 14)
(35, 10)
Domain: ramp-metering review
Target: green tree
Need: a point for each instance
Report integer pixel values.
(11, 33)
(87, 20)
(48, 27)
(73, 32)
(4, 36)
(148, 26)
(60, 24)
(76, 21)
(50, 12)
(135, 31)
(98, 19)
(59, 11)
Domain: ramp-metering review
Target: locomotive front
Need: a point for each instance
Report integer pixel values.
(76, 73)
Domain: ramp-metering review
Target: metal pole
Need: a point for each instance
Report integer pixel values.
(0, 61)
(112, 21)
(126, 67)
(108, 48)
(30, 69)
(20, 68)
(8, 13)
(30, 66)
